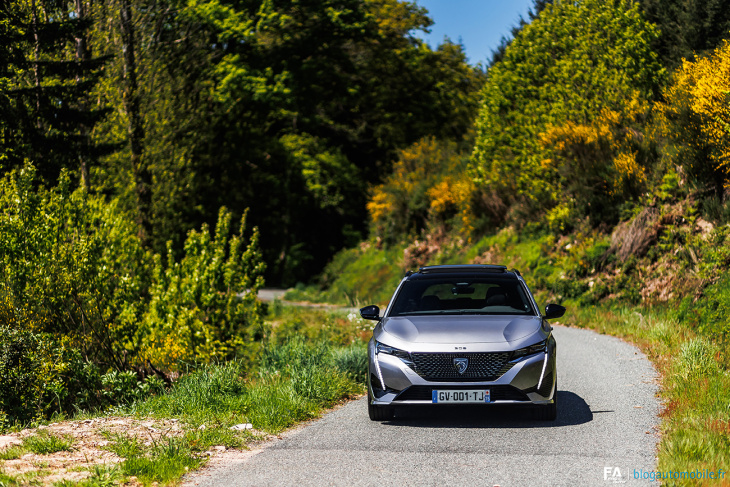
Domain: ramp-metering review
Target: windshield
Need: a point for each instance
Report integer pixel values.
(482, 295)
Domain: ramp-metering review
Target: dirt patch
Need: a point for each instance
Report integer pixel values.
(91, 439)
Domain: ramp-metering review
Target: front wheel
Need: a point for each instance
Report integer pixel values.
(380, 413)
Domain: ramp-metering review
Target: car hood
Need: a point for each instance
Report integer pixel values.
(461, 329)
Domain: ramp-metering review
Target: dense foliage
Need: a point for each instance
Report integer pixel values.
(83, 302)
(287, 108)
(687, 29)
(74, 266)
(573, 64)
(126, 126)
(582, 114)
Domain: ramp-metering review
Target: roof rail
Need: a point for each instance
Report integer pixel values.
(463, 268)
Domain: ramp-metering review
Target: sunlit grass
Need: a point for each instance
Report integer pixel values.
(695, 422)
(44, 443)
(165, 461)
(10, 480)
(295, 380)
(13, 452)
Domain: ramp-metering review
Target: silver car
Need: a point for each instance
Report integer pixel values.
(462, 334)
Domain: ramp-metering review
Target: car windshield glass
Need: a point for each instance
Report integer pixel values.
(462, 296)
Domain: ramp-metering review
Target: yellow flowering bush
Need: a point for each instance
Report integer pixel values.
(453, 196)
(600, 163)
(428, 186)
(697, 117)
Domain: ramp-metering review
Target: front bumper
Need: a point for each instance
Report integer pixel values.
(528, 380)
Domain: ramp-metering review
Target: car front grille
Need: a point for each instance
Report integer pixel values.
(497, 393)
(442, 367)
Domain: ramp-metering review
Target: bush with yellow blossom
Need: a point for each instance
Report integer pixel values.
(696, 118)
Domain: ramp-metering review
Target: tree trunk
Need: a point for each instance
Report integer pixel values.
(135, 127)
(83, 54)
(36, 59)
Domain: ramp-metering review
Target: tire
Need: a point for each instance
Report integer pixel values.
(549, 412)
(380, 413)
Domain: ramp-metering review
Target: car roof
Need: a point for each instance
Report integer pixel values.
(473, 270)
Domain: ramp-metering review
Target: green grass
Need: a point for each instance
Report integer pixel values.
(166, 461)
(9, 480)
(695, 423)
(44, 443)
(163, 462)
(101, 476)
(13, 452)
(26, 479)
(296, 379)
(356, 277)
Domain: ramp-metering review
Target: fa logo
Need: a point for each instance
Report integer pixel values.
(613, 474)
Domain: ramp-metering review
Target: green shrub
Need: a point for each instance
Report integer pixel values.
(125, 387)
(74, 263)
(710, 314)
(195, 311)
(41, 375)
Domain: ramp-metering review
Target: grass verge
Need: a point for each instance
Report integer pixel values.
(310, 360)
(300, 374)
(695, 422)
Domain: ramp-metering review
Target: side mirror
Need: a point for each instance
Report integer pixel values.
(371, 312)
(553, 311)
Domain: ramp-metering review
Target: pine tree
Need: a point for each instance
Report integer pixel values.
(44, 88)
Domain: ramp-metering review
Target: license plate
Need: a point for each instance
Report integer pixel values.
(470, 396)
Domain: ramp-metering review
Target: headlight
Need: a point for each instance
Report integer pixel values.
(382, 348)
(388, 350)
(523, 352)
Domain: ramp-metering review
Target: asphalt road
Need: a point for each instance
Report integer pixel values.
(270, 294)
(607, 420)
